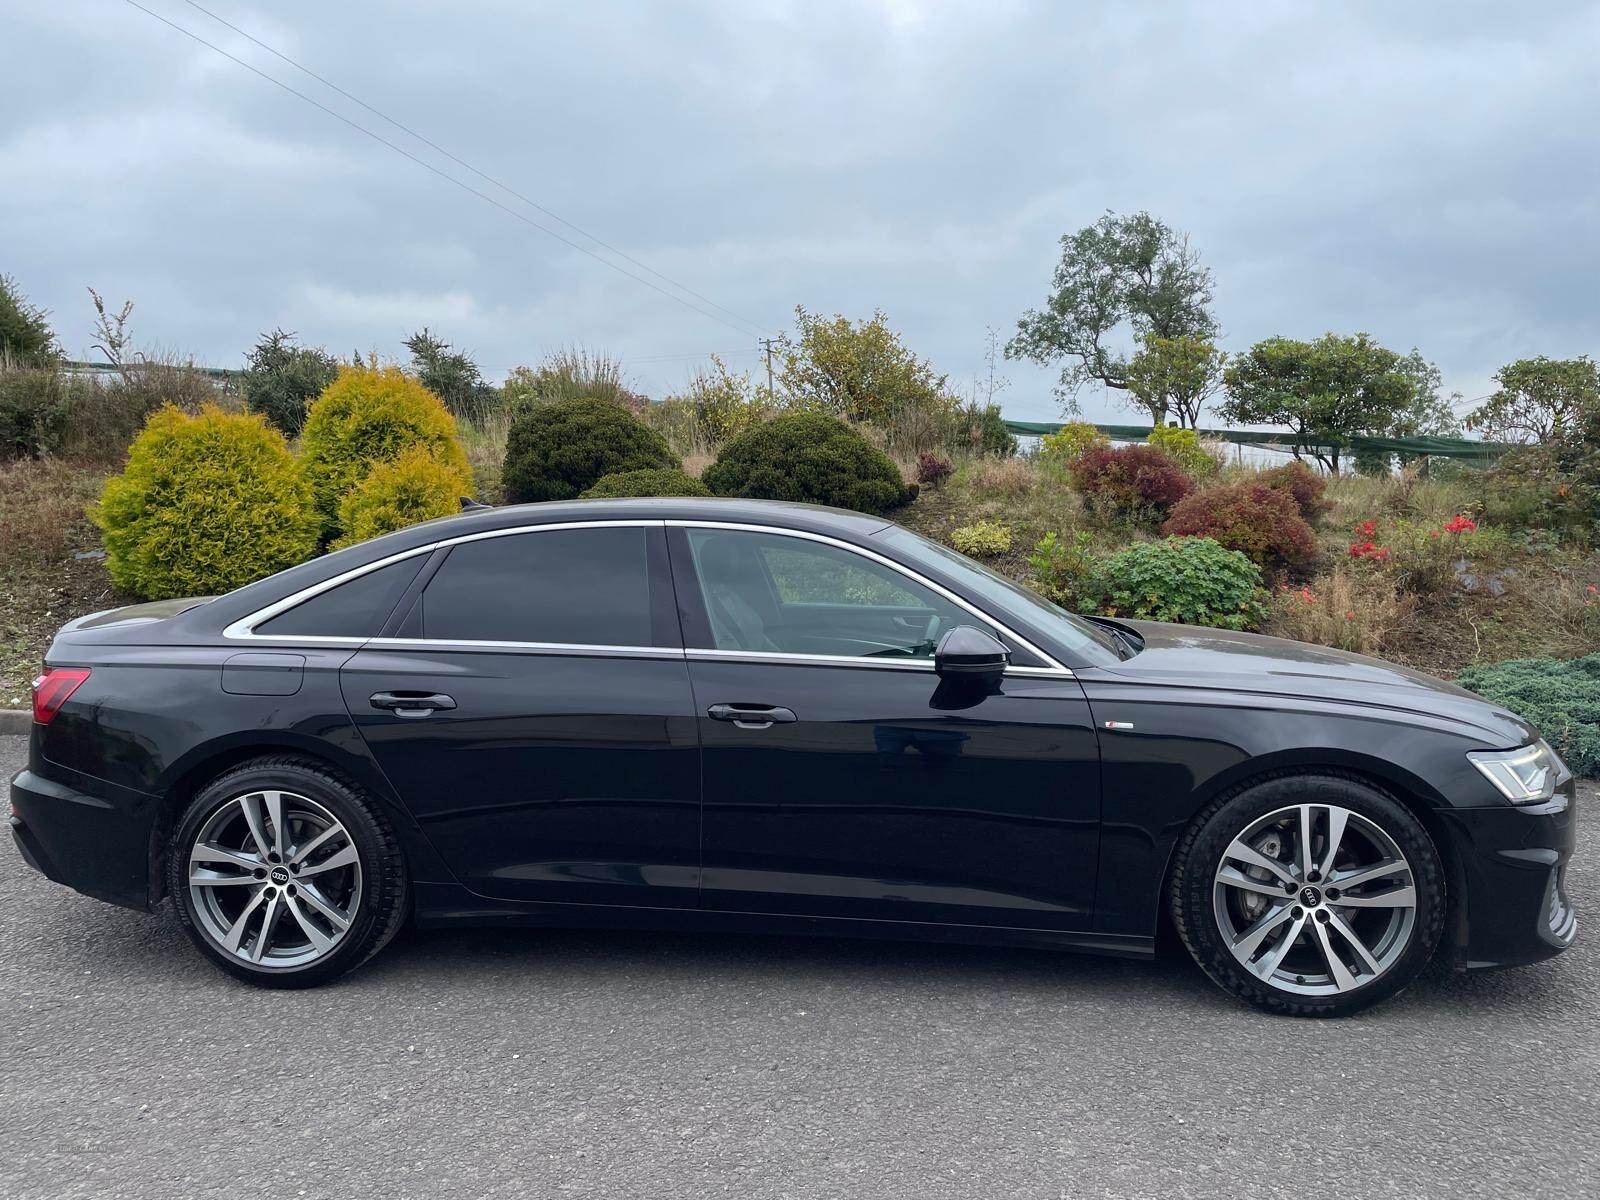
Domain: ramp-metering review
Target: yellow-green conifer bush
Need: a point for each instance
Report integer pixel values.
(414, 487)
(368, 416)
(207, 503)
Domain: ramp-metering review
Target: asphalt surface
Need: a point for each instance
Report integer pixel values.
(643, 1065)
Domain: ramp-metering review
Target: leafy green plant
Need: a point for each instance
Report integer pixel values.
(1058, 450)
(26, 338)
(282, 379)
(1262, 522)
(981, 428)
(983, 539)
(724, 404)
(206, 504)
(1559, 696)
(33, 411)
(1184, 448)
(557, 450)
(452, 376)
(367, 416)
(1066, 572)
(654, 481)
(413, 487)
(811, 457)
(1186, 580)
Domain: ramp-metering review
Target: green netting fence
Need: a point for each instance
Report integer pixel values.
(1416, 447)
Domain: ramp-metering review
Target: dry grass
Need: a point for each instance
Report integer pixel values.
(1350, 607)
(485, 444)
(42, 584)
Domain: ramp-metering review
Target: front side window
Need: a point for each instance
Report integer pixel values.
(354, 609)
(774, 594)
(587, 587)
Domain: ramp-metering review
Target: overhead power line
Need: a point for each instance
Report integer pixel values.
(445, 175)
(461, 162)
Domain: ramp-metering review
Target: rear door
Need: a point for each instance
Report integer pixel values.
(533, 710)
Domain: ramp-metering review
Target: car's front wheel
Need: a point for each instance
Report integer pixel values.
(286, 875)
(1313, 895)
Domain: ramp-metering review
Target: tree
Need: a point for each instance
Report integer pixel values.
(1325, 391)
(1429, 414)
(451, 376)
(282, 379)
(1175, 376)
(859, 370)
(1133, 272)
(25, 334)
(1537, 397)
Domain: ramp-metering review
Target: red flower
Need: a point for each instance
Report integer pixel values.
(1592, 589)
(1349, 616)
(1461, 523)
(1381, 553)
(1367, 529)
(1368, 550)
(1433, 533)
(1305, 594)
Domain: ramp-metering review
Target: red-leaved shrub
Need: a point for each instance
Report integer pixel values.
(1260, 521)
(933, 469)
(1135, 481)
(1301, 482)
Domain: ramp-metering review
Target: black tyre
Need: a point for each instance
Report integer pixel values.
(1313, 895)
(284, 874)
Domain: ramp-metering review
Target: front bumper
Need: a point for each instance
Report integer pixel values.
(98, 845)
(1511, 869)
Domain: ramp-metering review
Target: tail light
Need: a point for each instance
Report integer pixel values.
(50, 690)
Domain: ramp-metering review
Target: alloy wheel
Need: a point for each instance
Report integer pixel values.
(274, 879)
(1315, 899)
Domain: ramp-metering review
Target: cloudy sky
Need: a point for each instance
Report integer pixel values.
(1425, 172)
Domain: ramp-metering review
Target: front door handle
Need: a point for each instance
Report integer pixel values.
(412, 704)
(752, 716)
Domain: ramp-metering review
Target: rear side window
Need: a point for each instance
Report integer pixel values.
(587, 587)
(354, 609)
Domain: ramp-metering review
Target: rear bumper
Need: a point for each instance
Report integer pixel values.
(98, 845)
(1512, 868)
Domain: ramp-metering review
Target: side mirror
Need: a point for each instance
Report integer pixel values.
(968, 653)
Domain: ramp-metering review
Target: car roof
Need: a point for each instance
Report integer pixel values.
(808, 518)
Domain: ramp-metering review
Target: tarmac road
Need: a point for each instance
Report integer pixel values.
(644, 1065)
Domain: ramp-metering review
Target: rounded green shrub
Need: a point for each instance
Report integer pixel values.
(206, 504)
(414, 487)
(809, 457)
(982, 539)
(367, 416)
(658, 481)
(1561, 697)
(1184, 448)
(1185, 580)
(558, 450)
(1261, 521)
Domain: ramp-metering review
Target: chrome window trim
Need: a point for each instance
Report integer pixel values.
(243, 630)
(1055, 668)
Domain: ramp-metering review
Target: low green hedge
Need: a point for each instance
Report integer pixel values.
(1561, 696)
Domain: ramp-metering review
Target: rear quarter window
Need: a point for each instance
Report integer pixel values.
(355, 609)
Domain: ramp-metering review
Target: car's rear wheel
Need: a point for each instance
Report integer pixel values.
(285, 874)
(1313, 895)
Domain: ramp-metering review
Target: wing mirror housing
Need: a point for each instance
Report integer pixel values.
(971, 654)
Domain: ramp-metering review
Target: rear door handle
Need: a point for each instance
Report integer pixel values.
(412, 704)
(752, 716)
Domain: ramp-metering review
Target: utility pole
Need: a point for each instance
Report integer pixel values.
(767, 345)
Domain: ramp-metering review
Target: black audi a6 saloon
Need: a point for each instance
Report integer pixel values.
(729, 715)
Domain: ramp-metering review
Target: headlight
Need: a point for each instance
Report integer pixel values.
(1525, 776)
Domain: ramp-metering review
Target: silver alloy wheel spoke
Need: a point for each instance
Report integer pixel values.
(1289, 899)
(1242, 853)
(274, 801)
(301, 853)
(248, 889)
(1400, 897)
(333, 862)
(252, 815)
(1367, 874)
(1269, 962)
(1238, 879)
(1245, 945)
(1337, 819)
(205, 852)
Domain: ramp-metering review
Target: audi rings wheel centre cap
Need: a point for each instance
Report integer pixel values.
(280, 876)
(1309, 896)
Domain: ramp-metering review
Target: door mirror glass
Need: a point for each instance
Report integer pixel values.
(967, 652)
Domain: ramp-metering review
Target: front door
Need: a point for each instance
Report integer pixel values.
(843, 779)
(537, 719)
